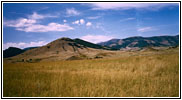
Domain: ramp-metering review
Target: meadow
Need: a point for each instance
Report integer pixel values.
(142, 74)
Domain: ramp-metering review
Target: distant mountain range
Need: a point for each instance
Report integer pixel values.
(66, 47)
(140, 42)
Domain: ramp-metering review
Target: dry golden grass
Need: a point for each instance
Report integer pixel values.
(152, 75)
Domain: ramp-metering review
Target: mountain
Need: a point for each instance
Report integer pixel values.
(62, 49)
(140, 42)
(12, 51)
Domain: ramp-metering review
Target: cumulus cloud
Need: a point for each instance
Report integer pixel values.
(76, 22)
(96, 38)
(23, 44)
(123, 6)
(72, 12)
(82, 21)
(30, 24)
(88, 24)
(64, 21)
(79, 22)
(145, 29)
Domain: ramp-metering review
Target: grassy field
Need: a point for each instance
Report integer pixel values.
(153, 74)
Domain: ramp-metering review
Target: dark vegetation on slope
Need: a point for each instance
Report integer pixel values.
(12, 51)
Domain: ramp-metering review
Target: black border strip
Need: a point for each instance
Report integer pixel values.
(1, 50)
(91, 97)
(91, 1)
(180, 49)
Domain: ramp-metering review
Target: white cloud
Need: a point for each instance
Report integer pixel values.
(76, 22)
(82, 21)
(88, 24)
(36, 16)
(123, 6)
(23, 22)
(94, 17)
(127, 19)
(23, 44)
(79, 22)
(40, 16)
(72, 12)
(64, 21)
(31, 25)
(145, 29)
(46, 28)
(96, 38)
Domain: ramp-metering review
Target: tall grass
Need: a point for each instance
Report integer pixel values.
(155, 75)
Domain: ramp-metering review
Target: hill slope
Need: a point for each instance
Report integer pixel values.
(12, 51)
(61, 49)
(156, 41)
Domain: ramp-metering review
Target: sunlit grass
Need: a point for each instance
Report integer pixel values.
(153, 75)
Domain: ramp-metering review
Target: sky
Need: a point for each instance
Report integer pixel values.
(36, 24)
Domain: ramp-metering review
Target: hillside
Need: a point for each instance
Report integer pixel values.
(73, 49)
(62, 49)
(12, 51)
(140, 42)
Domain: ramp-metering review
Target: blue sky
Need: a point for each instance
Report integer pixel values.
(36, 24)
